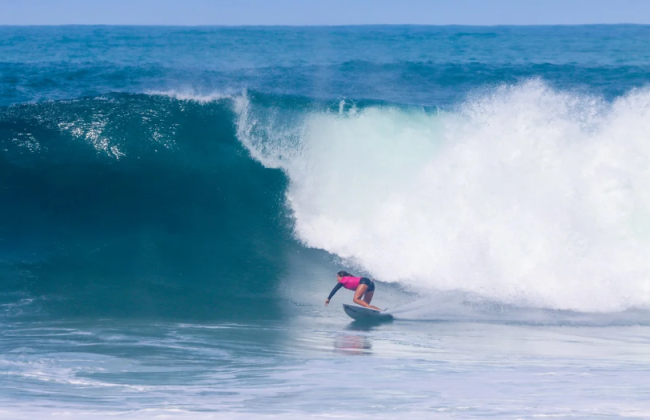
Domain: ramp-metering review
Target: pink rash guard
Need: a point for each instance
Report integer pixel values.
(350, 283)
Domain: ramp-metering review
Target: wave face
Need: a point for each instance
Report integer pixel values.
(524, 195)
(138, 205)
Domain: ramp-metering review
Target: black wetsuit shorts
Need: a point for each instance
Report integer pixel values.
(369, 283)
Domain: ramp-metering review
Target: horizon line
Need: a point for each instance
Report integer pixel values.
(320, 25)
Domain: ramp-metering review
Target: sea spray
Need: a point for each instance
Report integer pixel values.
(523, 194)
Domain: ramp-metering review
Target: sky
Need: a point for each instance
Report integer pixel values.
(322, 12)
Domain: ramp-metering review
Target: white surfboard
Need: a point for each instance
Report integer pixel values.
(360, 313)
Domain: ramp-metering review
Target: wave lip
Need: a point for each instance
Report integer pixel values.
(522, 194)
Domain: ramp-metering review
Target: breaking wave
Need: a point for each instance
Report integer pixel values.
(525, 195)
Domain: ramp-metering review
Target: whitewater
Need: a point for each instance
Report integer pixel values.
(524, 195)
(172, 216)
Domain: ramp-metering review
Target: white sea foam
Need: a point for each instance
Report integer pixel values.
(524, 195)
(190, 94)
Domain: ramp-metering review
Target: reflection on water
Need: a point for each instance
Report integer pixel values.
(353, 344)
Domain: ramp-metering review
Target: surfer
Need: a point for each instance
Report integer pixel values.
(363, 288)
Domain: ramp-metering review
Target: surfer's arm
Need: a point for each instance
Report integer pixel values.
(334, 290)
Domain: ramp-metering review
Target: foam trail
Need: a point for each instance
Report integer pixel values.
(525, 195)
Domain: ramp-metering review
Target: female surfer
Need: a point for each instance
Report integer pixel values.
(363, 288)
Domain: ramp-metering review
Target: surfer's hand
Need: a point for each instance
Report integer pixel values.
(327, 302)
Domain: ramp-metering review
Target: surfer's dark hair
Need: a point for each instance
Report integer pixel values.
(343, 274)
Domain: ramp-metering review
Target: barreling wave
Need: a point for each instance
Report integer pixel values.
(150, 204)
(138, 205)
(523, 195)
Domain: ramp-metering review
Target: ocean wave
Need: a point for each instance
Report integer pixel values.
(150, 204)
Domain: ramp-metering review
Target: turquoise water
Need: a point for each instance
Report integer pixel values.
(175, 203)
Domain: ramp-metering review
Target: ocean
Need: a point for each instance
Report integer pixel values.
(175, 203)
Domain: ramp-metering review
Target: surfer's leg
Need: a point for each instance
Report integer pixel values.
(367, 297)
(358, 294)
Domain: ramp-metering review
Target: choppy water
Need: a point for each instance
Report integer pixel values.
(174, 204)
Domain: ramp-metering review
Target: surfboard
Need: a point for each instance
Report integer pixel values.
(359, 313)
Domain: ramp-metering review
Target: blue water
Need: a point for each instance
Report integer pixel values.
(175, 203)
